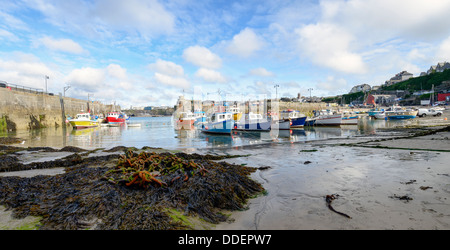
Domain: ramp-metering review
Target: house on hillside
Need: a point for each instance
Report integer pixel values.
(440, 67)
(358, 88)
(400, 77)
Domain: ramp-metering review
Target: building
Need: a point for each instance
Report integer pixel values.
(440, 67)
(400, 77)
(360, 88)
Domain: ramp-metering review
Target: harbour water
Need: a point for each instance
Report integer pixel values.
(159, 132)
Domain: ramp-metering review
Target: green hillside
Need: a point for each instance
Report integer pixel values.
(421, 83)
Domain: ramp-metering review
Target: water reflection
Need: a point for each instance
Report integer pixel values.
(161, 132)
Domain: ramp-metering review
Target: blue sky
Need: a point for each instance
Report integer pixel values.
(148, 52)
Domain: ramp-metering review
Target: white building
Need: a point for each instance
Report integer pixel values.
(400, 77)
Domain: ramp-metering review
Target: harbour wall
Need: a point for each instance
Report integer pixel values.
(23, 110)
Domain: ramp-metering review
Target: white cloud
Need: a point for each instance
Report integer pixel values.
(88, 79)
(202, 57)
(148, 17)
(443, 53)
(332, 86)
(210, 75)
(169, 73)
(107, 18)
(245, 43)
(261, 72)
(116, 71)
(167, 68)
(329, 45)
(172, 81)
(26, 70)
(63, 45)
(379, 19)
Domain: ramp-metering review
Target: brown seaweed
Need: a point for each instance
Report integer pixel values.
(90, 194)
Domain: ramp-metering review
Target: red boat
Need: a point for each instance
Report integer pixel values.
(115, 117)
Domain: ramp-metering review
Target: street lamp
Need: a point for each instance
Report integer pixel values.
(66, 88)
(46, 78)
(276, 91)
(310, 96)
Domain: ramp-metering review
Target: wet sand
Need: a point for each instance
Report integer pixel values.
(380, 188)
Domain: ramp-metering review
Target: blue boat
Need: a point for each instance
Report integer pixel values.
(220, 123)
(253, 122)
(200, 117)
(398, 113)
(297, 119)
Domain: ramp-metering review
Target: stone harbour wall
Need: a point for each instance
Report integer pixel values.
(22, 110)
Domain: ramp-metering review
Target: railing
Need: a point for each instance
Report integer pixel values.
(21, 88)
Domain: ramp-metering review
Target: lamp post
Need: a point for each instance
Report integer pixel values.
(66, 88)
(276, 91)
(310, 96)
(46, 78)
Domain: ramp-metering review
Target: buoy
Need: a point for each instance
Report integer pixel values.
(445, 118)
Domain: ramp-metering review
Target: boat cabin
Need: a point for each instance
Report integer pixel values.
(83, 116)
(290, 114)
(220, 117)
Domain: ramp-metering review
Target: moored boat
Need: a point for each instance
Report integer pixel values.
(115, 117)
(326, 118)
(349, 119)
(83, 120)
(399, 113)
(186, 120)
(253, 122)
(220, 123)
(297, 119)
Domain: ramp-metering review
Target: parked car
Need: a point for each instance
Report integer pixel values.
(429, 112)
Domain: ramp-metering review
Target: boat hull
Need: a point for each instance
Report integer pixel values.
(298, 122)
(284, 124)
(401, 115)
(329, 120)
(223, 127)
(83, 124)
(113, 120)
(353, 120)
(253, 126)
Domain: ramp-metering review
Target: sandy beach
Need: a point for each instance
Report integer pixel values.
(378, 187)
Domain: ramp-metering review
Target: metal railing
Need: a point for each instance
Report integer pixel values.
(21, 88)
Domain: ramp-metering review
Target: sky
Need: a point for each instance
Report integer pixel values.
(149, 52)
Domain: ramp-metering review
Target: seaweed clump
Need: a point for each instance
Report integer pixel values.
(93, 195)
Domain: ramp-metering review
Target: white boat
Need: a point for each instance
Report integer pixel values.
(327, 118)
(380, 115)
(220, 123)
(252, 122)
(349, 119)
(186, 120)
(283, 124)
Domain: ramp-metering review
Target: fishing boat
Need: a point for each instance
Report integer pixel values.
(374, 112)
(252, 122)
(327, 118)
(399, 113)
(115, 117)
(220, 123)
(297, 119)
(349, 119)
(200, 117)
(381, 115)
(237, 115)
(186, 120)
(83, 120)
